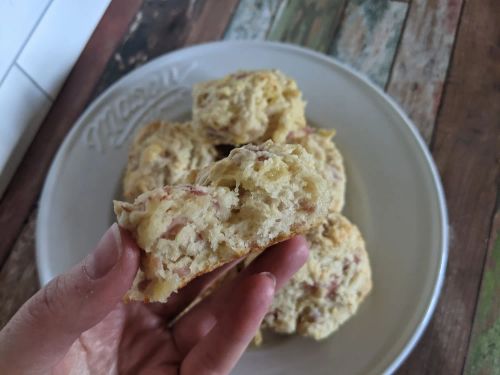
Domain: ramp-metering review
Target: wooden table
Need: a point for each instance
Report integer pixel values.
(440, 59)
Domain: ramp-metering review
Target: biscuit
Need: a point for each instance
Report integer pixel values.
(329, 288)
(257, 196)
(248, 107)
(318, 142)
(162, 153)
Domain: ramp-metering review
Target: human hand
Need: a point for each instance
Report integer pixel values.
(77, 324)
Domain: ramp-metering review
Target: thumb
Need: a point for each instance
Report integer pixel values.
(42, 331)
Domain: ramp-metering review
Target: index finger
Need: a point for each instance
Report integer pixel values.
(281, 260)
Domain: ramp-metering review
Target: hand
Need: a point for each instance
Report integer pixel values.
(77, 324)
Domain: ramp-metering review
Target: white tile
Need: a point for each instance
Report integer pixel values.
(17, 20)
(22, 109)
(58, 41)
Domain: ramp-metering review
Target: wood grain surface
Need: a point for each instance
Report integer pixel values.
(252, 19)
(308, 23)
(210, 21)
(160, 27)
(483, 42)
(404, 46)
(422, 61)
(368, 37)
(466, 149)
(484, 349)
(19, 277)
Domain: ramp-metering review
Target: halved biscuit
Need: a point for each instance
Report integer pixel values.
(257, 196)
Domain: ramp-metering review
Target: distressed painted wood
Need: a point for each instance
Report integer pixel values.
(368, 37)
(484, 349)
(163, 26)
(466, 149)
(421, 64)
(252, 19)
(309, 23)
(18, 278)
(158, 27)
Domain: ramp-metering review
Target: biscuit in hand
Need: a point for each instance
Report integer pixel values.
(257, 196)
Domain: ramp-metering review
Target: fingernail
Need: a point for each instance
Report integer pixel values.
(271, 277)
(105, 255)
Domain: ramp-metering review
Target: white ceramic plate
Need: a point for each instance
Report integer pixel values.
(393, 194)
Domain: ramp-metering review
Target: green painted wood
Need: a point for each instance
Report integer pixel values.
(252, 19)
(368, 37)
(308, 23)
(484, 348)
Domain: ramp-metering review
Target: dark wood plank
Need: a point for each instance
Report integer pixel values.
(368, 36)
(484, 348)
(25, 186)
(158, 27)
(161, 27)
(420, 68)
(210, 20)
(19, 278)
(466, 148)
(309, 23)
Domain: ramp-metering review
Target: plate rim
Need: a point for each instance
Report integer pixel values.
(64, 148)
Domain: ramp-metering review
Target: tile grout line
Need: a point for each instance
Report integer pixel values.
(32, 80)
(23, 45)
